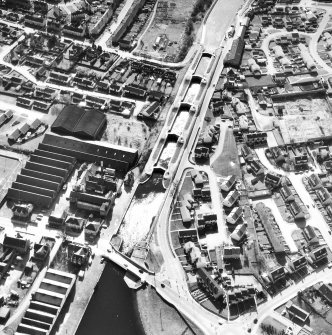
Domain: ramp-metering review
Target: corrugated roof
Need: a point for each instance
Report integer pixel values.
(76, 121)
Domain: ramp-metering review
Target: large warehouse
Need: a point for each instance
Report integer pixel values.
(42, 178)
(83, 123)
(114, 156)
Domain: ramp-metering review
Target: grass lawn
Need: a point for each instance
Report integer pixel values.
(227, 163)
(269, 321)
(175, 240)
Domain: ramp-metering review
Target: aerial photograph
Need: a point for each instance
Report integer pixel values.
(165, 167)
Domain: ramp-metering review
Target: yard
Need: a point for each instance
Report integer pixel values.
(126, 132)
(273, 323)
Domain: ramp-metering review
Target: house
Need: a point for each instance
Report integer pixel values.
(41, 251)
(22, 210)
(246, 152)
(231, 198)
(19, 244)
(297, 263)
(234, 215)
(255, 139)
(187, 235)
(150, 112)
(310, 235)
(207, 220)
(256, 168)
(185, 215)
(192, 251)
(325, 291)
(74, 224)
(301, 161)
(287, 194)
(92, 229)
(57, 219)
(232, 252)
(206, 193)
(228, 184)
(318, 254)
(296, 210)
(239, 232)
(277, 155)
(277, 274)
(78, 254)
(197, 178)
(295, 312)
(314, 181)
(205, 281)
(272, 180)
(324, 196)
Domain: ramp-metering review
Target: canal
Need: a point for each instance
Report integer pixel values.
(113, 308)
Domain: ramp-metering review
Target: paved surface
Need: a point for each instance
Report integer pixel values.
(219, 21)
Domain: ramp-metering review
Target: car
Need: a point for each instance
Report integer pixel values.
(329, 265)
(81, 274)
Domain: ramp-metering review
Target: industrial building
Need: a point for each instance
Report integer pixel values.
(113, 156)
(46, 303)
(95, 189)
(78, 122)
(42, 178)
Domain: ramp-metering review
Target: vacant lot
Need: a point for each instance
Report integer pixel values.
(169, 21)
(226, 161)
(270, 321)
(129, 133)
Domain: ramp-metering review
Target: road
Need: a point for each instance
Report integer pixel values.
(172, 268)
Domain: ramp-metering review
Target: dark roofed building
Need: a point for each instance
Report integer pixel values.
(318, 254)
(114, 156)
(310, 235)
(19, 244)
(296, 210)
(286, 193)
(272, 179)
(297, 263)
(41, 179)
(325, 290)
(187, 235)
(314, 181)
(41, 251)
(234, 56)
(210, 285)
(277, 274)
(324, 196)
(75, 121)
(296, 312)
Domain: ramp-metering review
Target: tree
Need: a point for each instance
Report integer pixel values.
(52, 41)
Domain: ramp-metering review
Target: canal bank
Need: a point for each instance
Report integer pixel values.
(112, 308)
(115, 309)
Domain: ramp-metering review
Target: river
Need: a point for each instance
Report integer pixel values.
(113, 307)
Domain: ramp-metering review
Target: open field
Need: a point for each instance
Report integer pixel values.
(169, 21)
(125, 132)
(7, 167)
(227, 162)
